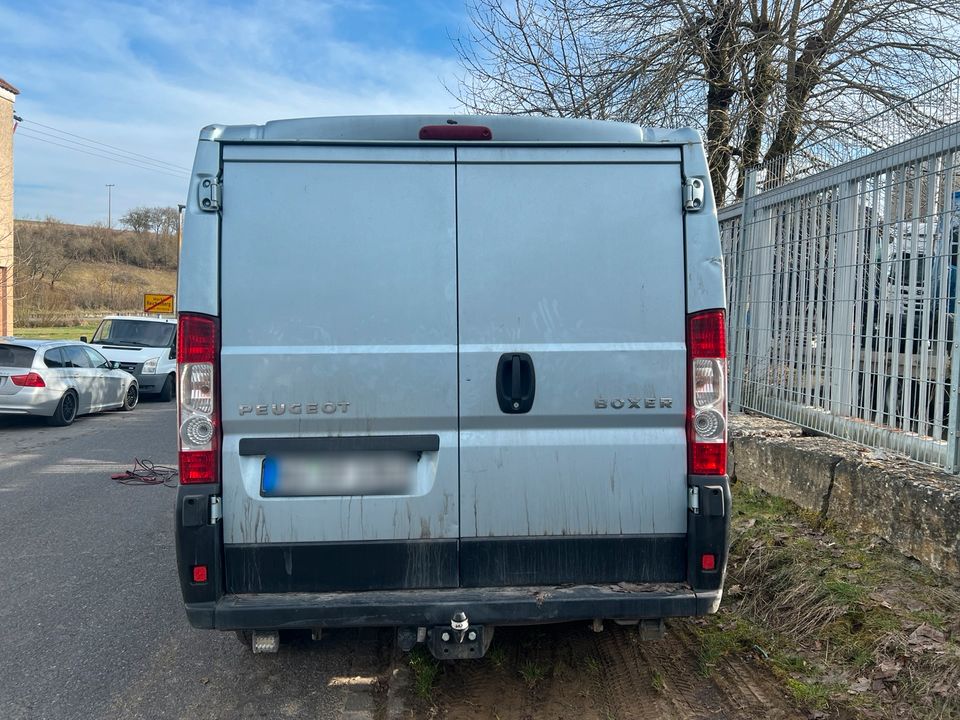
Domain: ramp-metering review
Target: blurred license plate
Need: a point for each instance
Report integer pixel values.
(373, 473)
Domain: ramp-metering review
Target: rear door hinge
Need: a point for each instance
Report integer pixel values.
(693, 499)
(216, 509)
(208, 194)
(693, 189)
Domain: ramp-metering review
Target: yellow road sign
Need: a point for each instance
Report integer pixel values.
(156, 303)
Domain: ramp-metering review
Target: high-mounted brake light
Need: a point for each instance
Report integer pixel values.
(28, 380)
(198, 347)
(707, 393)
(455, 132)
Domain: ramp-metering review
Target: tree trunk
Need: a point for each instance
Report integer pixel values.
(721, 38)
(758, 97)
(802, 78)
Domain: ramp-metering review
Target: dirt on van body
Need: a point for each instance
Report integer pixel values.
(816, 623)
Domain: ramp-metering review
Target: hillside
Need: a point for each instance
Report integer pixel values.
(67, 275)
(87, 290)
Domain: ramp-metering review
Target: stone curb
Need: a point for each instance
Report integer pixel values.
(913, 507)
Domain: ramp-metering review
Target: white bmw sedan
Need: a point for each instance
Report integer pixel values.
(60, 379)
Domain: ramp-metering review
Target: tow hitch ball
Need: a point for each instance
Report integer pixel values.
(461, 625)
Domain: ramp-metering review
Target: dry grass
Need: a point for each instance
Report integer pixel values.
(847, 623)
(90, 289)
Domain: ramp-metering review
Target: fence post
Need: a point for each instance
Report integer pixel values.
(842, 333)
(743, 309)
(952, 464)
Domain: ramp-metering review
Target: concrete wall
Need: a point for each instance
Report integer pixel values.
(913, 507)
(7, 97)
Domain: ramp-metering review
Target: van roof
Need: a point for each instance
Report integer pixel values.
(406, 128)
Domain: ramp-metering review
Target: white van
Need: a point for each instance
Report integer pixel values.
(450, 373)
(145, 347)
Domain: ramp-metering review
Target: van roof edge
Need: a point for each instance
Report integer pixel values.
(505, 128)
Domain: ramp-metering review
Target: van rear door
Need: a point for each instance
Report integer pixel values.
(571, 301)
(339, 367)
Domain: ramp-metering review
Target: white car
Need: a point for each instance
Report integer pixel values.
(146, 347)
(60, 379)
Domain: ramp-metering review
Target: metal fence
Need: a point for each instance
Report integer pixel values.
(841, 289)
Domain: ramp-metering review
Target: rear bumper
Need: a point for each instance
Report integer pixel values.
(150, 384)
(487, 606)
(31, 401)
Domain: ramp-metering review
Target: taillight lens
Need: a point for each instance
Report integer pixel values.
(707, 395)
(198, 346)
(28, 380)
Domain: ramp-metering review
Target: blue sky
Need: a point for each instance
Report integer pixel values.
(146, 76)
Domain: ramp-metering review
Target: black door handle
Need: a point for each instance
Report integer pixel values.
(516, 383)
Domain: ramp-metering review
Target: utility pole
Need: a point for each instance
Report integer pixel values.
(110, 188)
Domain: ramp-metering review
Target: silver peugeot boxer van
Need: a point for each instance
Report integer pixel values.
(449, 373)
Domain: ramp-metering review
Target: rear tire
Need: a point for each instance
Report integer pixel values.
(245, 638)
(166, 392)
(131, 397)
(66, 411)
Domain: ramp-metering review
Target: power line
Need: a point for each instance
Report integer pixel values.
(98, 142)
(151, 163)
(25, 132)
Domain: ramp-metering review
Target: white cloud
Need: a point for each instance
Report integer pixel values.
(147, 77)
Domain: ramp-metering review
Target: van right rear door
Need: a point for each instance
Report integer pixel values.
(571, 299)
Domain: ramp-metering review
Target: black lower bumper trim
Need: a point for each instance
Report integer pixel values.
(581, 560)
(488, 606)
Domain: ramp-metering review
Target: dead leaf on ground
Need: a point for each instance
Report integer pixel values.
(862, 685)
(926, 637)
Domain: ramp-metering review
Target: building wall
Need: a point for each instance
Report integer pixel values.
(6, 211)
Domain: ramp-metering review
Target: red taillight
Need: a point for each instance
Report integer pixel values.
(199, 573)
(455, 132)
(28, 380)
(708, 561)
(196, 339)
(197, 466)
(707, 393)
(198, 350)
(706, 335)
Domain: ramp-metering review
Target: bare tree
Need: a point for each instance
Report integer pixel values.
(139, 219)
(41, 255)
(160, 221)
(759, 77)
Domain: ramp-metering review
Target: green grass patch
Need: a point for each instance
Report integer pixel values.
(532, 673)
(591, 664)
(425, 672)
(57, 333)
(810, 695)
(658, 682)
(497, 656)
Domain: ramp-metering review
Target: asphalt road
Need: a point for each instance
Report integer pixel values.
(91, 622)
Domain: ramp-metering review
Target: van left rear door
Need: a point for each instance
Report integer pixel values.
(339, 368)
